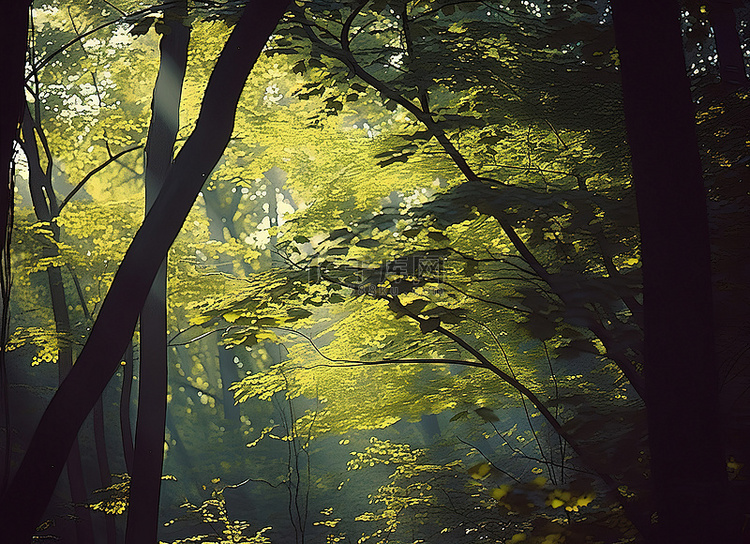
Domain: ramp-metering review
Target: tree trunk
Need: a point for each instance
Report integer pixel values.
(45, 209)
(219, 217)
(126, 430)
(728, 48)
(26, 498)
(83, 522)
(105, 476)
(688, 467)
(145, 485)
(13, 37)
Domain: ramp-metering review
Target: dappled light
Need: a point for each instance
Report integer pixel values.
(371, 272)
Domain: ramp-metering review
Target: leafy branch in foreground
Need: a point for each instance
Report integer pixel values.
(213, 512)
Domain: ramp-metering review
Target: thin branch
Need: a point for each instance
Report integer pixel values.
(94, 172)
(261, 480)
(124, 19)
(525, 408)
(557, 411)
(557, 134)
(472, 446)
(486, 300)
(110, 4)
(79, 290)
(521, 388)
(353, 362)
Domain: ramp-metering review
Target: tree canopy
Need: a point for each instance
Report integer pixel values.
(427, 278)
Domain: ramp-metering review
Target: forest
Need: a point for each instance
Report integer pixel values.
(375, 271)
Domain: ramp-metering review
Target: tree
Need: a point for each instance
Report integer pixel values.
(143, 512)
(681, 368)
(14, 36)
(456, 239)
(25, 499)
(331, 35)
(46, 208)
(728, 47)
(366, 241)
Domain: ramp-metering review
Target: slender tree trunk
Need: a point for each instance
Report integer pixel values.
(24, 502)
(100, 441)
(688, 467)
(105, 476)
(145, 486)
(45, 209)
(179, 446)
(126, 429)
(229, 375)
(219, 217)
(83, 523)
(731, 59)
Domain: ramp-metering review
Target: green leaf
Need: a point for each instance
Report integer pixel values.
(338, 233)
(411, 233)
(540, 327)
(480, 471)
(470, 268)
(232, 316)
(335, 298)
(486, 414)
(460, 416)
(429, 325)
(298, 313)
(416, 306)
(142, 27)
(394, 159)
(367, 242)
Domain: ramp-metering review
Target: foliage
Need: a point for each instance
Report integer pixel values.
(113, 500)
(471, 509)
(424, 205)
(213, 512)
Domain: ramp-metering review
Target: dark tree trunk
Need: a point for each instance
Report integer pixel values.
(229, 375)
(105, 476)
(25, 500)
(731, 59)
(46, 209)
(145, 485)
(688, 468)
(126, 430)
(83, 522)
(13, 36)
